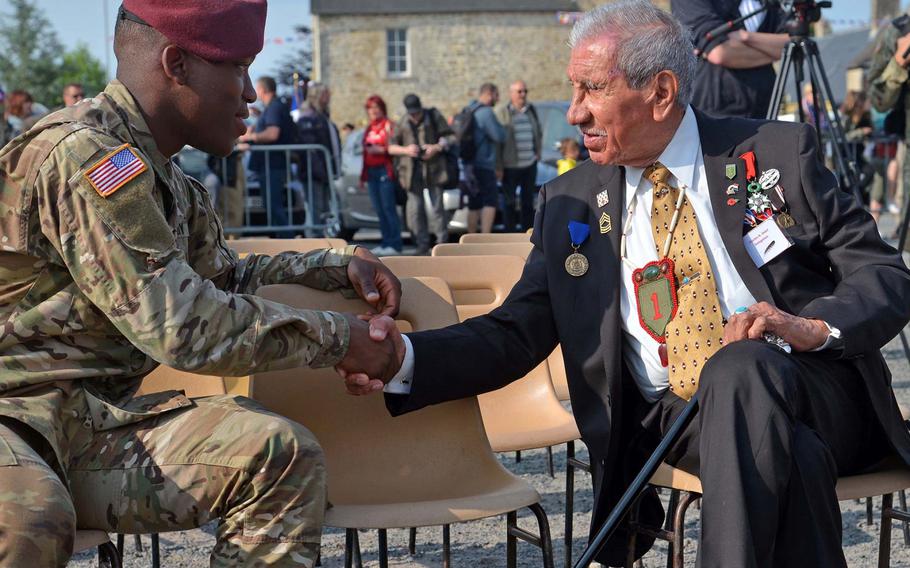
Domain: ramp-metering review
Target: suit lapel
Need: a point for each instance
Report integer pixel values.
(719, 150)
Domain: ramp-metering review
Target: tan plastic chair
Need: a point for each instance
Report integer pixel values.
(107, 552)
(889, 477)
(194, 386)
(525, 414)
(521, 250)
(469, 238)
(430, 467)
(558, 374)
(275, 246)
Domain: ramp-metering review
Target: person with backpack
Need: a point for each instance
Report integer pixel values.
(518, 155)
(479, 134)
(421, 142)
(314, 127)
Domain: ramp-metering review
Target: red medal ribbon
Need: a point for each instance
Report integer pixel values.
(749, 158)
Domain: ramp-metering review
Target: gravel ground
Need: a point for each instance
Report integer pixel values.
(482, 543)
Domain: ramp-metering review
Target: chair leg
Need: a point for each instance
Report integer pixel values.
(511, 542)
(679, 527)
(412, 541)
(446, 546)
(383, 549)
(518, 456)
(138, 539)
(349, 548)
(869, 519)
(884, 540)
(546, 542)
(156, 553)
(120, 545)
(550, 461)
(668, 523)
(570, 501)
(904, 525)
(358, 561)
(108, 555)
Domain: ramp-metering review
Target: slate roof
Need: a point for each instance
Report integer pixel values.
(362, 7)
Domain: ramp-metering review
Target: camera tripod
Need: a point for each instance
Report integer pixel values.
(799, 50)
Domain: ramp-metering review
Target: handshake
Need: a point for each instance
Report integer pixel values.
(375, 353)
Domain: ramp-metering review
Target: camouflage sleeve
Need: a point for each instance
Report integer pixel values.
(886, 77)
(210, 255)
(127, 260)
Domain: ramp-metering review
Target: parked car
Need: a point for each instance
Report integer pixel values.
(552, 115)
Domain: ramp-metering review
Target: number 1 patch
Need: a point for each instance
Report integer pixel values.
(655, 296)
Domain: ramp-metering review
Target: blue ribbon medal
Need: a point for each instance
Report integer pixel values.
(577, 263)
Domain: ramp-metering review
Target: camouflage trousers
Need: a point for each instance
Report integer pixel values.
(224, 458)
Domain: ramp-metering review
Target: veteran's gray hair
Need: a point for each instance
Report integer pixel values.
(649, 41)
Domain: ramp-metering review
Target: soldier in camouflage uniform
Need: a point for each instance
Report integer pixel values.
(888, 81)
(111, 262)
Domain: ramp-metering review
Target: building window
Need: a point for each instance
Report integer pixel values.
(397, 52)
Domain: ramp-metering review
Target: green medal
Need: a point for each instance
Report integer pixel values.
(655, 297)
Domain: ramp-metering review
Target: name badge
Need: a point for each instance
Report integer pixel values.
(766, 242)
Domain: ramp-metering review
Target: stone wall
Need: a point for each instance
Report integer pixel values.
(451, 55)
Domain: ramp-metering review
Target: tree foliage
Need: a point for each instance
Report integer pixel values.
(300, 61)
(32, 58)
(29, 51)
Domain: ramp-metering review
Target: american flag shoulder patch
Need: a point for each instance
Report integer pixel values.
(115, 170)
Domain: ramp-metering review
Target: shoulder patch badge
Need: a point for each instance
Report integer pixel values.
(115, 170)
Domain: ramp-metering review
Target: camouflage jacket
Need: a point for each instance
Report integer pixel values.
(886, 77)
(96, 291)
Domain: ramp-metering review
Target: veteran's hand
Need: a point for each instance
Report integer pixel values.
(370, 353)
(375, 282)
(802, 334)
(381, 329)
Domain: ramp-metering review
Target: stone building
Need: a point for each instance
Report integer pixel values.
(443, 50)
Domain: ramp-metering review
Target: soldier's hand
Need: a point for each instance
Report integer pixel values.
(375, 282)
(372, 353)
(903, 43)
(381, 329)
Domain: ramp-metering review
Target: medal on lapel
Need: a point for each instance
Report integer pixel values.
(656, 300)
(577, 263)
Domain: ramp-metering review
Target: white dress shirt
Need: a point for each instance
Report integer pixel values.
(747, 7)
(683, 157)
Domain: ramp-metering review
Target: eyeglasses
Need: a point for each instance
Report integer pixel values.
(522, 91)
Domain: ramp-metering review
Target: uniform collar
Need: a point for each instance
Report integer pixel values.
(135, 123)
(680, 157)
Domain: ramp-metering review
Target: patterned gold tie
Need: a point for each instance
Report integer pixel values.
(697, 330)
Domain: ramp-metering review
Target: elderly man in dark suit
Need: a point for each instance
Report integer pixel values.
(693, 252)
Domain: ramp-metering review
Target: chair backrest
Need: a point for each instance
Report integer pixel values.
(469, 238)
(558, 373)
(166, 378)
(272, 247)
(406, 459)
(521, 250)
(479, 285)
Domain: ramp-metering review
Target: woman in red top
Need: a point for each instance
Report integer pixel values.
(377, 173)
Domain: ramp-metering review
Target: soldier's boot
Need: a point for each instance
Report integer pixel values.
(36, 513)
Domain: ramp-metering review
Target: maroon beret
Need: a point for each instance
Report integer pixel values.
(217, 30)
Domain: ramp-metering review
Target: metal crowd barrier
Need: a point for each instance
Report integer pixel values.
(301, 202)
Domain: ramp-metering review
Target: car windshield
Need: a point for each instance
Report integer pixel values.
(555, 128)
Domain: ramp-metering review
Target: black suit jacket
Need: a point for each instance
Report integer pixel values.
(839, 270)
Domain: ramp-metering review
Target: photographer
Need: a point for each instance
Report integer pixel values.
(420, 142)
(888, 81)
(734, 76)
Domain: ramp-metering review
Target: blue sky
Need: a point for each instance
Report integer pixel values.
(83, 21)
